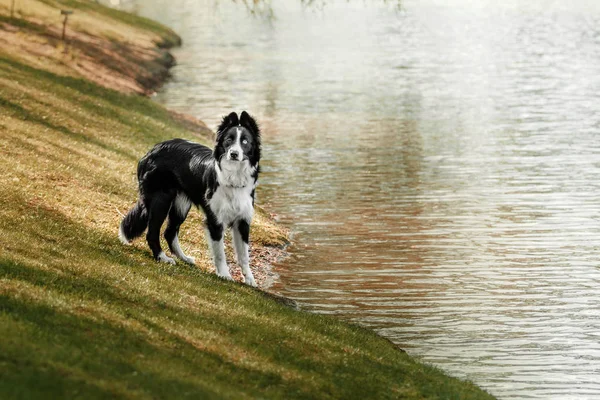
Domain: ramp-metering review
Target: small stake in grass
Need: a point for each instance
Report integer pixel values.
(12, 9)
(66, 13)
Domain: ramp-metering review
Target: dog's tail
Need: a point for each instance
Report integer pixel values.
(134, 223)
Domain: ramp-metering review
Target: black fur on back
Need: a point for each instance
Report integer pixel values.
(174, 166)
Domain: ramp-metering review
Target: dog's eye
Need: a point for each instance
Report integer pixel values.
(245, 141)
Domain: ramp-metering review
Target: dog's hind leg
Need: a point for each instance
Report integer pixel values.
(179, 211)
(157, 213)
(241, 236)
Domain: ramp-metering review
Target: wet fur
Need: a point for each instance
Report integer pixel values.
(178, 173)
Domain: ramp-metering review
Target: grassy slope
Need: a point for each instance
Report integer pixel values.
(83, 316)
(109, 47)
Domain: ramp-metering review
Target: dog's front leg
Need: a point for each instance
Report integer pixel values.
(241, 236)
(214, 237)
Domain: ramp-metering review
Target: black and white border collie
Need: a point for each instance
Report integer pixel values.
(177, 173)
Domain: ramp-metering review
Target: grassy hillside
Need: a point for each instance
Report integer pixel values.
(82, 316)
(109, 47)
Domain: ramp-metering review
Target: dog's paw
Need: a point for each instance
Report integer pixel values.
(249, 280)
(189, 260)
(227, 276)
(162, 257)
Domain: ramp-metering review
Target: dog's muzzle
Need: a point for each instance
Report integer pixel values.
(234, 155)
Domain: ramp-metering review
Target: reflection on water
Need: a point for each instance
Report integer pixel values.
(439, 165)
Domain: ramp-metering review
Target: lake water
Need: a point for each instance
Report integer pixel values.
(438, 163)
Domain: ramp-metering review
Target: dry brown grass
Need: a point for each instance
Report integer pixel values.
(118, 54)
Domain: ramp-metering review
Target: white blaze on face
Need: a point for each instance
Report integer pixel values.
(237, 145)
(236, 173)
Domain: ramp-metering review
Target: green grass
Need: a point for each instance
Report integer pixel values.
(82, 316)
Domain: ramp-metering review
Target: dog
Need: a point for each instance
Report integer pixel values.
(178, 173)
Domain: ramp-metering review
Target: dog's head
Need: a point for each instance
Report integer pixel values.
(238, 140)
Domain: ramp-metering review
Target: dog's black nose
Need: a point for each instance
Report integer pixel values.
(234, 155)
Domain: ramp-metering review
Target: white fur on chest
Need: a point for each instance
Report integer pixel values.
(233, 198)
(231, 203)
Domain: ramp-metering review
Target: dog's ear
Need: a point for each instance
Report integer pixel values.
(227, 122)
(249, 123)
